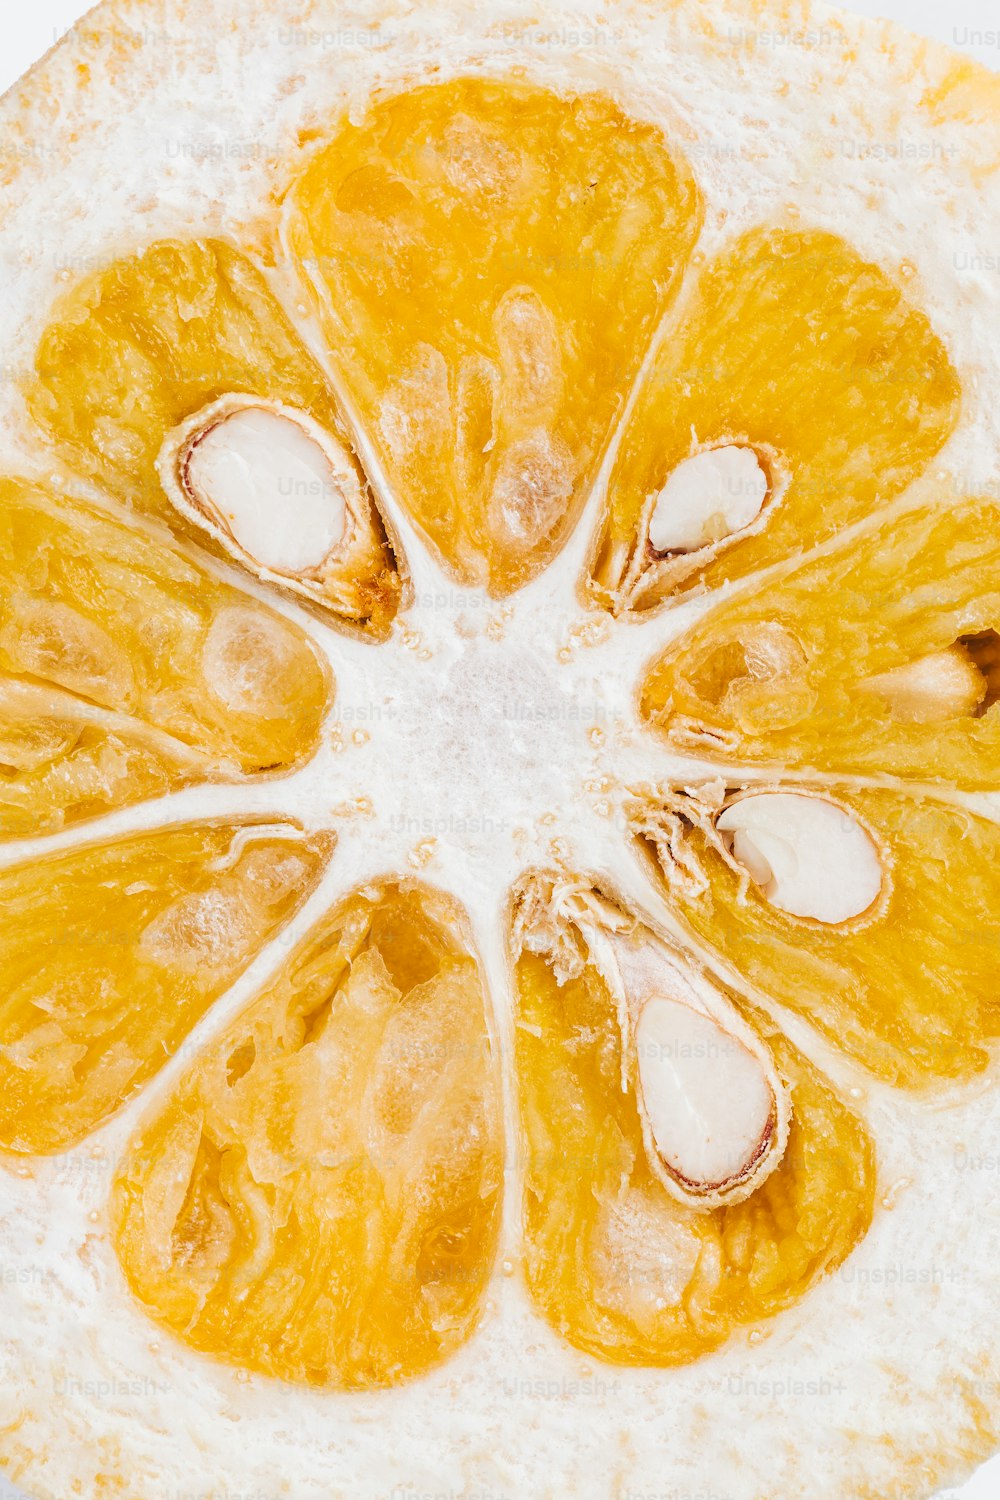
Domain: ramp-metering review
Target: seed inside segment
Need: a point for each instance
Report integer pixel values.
(708, 497)
(265, 477)
(707, 1098)
(809, 856)
(621, 1257)
(714, 1110)
(940, 686)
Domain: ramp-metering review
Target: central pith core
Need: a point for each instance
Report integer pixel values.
(475, 733)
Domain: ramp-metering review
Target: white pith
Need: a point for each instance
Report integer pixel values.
(517, 1412)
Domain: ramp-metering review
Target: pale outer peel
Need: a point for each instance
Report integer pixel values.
(708, 497)
(784, 110)
(282, 495)
(810, 857)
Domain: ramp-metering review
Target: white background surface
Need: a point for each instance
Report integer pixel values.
(28, 30)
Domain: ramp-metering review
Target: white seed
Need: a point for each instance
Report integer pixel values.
(707, 498)
(707, 1098)
(810, 857)
(714, 1110)
(943, 685)
(715, 1113)
(269, 481)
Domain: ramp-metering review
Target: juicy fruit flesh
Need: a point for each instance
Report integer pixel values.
(320, 1198)
(61, 762)
(781, 674)
(126, 669)
(910, 991)
(139, 348)
(618, 1267)
(490, 364)
(112, 953)
(848, 417)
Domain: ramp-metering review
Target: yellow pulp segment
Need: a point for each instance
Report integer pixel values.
(127, 670)
(613, 1262)
(782, 674)
(320, 1198)
(111, 954)
(909, 989)
(138, 348)
(490, 260)
(793, 345)
(63, 761)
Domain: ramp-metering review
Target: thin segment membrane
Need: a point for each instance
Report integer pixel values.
(794, 672)
(909, 990)
(489, 261)
(615, 1264)
(140, 347)
(795, 347)
(320, 1198)
(110, 955)
(127, 671)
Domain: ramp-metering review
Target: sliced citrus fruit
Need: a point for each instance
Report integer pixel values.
(173, 378)
(319, 1199)
(595, 320)
(526, 244)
